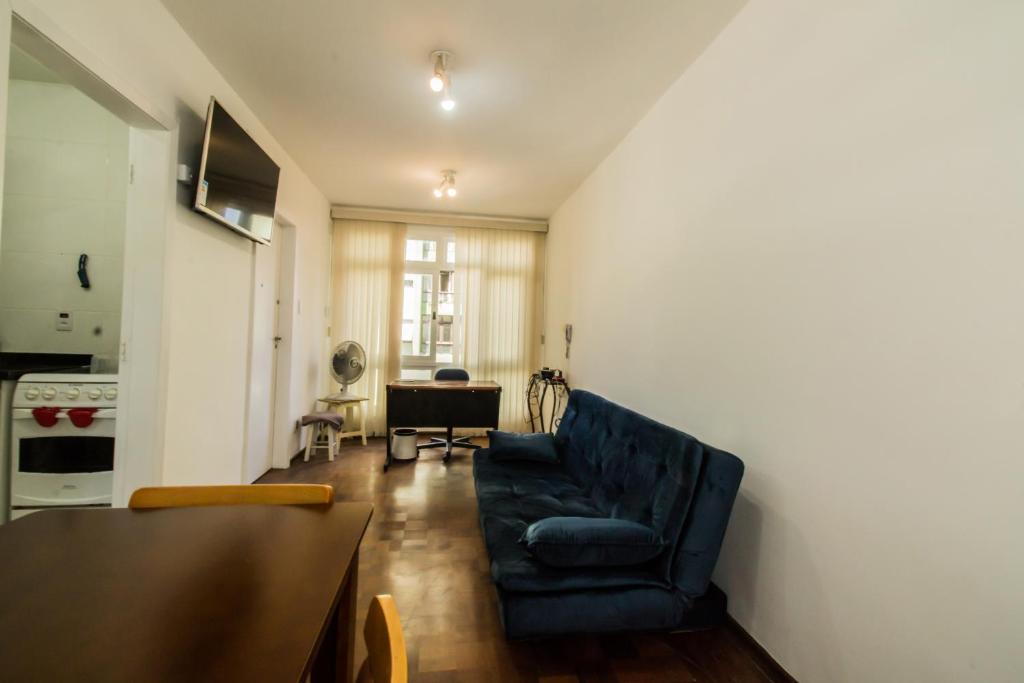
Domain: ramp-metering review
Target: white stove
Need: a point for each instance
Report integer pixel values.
(62, 441)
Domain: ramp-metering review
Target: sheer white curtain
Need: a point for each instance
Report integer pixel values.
(368, 261)
(499, 275)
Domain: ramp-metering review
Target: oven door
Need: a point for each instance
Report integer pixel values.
(63, 464)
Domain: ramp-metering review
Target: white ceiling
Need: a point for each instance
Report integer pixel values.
(545, 88)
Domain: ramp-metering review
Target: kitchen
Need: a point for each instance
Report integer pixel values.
(61, 268)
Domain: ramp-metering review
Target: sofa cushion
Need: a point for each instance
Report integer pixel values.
(590, 611)
(513, 495)
(541, 615)
(531, 489)
(591, 542)
(507, 446)
(515, 569)
(632, 467)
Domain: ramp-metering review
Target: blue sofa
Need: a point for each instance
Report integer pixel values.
(613, 463)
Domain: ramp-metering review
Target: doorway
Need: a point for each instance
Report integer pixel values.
(130, 335)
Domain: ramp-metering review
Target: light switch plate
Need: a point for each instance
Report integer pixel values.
(65, 321)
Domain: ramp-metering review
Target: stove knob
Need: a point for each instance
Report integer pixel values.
(72, 393)
(110, 394)
(95, 393)
(32, 393)
(49, 393)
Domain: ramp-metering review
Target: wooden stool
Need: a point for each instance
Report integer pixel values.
(327, 421)
(349, 402)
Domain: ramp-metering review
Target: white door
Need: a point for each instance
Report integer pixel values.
(259, 440)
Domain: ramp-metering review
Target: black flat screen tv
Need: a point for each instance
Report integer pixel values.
(237, 182)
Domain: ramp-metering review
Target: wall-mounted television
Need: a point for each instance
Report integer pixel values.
(237, 182)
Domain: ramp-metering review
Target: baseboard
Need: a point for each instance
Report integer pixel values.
(764, 661)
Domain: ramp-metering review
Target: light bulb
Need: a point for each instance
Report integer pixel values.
(437, 192)
(451, 191)
(447, 102)
(437, 83)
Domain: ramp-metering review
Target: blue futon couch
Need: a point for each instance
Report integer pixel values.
(657, 498)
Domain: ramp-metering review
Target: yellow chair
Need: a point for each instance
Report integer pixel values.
(251, 494)
(386, 659)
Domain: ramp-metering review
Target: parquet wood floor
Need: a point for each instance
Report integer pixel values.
(424, 547)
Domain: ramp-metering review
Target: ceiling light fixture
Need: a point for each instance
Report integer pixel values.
(441, 80)
(447, 186)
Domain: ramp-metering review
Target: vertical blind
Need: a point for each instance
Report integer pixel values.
(368, 260)
(499, 276)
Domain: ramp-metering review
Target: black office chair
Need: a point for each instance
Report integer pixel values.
(447, 443)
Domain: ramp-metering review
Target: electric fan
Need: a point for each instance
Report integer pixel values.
(348, 361)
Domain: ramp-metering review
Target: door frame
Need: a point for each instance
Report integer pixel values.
(288, 317)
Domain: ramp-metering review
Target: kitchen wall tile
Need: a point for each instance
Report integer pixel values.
(33, 329)
(38, 280)
(38, 223)
(66, 183)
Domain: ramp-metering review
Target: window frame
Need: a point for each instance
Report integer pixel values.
(433, 268)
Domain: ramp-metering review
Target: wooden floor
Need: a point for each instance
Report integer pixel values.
(424, 547)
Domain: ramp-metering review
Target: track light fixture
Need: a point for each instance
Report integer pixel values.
(437, 78)
(440, 79)
(447, 186)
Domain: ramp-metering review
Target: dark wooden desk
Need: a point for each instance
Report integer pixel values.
(441, 403)
(237, 593)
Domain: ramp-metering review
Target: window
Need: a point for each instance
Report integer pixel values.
(417, 315)
(421, 250)
(429, 316)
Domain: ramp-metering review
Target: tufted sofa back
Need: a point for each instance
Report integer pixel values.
(637, 469)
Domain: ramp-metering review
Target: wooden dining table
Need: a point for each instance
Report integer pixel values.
(229, 593)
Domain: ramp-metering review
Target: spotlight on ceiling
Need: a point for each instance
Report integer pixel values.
(447, 102)
(440, 79)
(447, 186)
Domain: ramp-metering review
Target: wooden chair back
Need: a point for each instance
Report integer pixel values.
(386, 659)
(251, 494)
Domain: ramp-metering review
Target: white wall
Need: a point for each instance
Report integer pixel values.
(809, 253)
(66, 175)
(208, 267)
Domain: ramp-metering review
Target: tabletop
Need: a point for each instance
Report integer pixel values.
(231, 593)
(444, 384)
